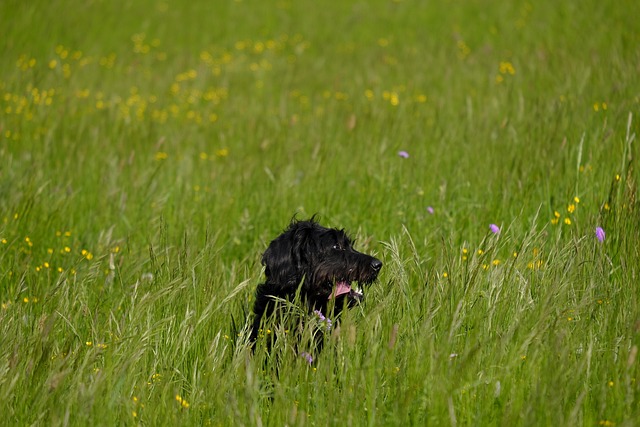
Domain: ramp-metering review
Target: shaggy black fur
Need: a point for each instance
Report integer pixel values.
(318, 263)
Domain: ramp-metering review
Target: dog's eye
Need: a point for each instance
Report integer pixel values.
(337, 247)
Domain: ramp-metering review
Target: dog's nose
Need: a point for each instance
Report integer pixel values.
(376, 264)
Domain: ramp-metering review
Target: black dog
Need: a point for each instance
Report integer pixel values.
(318, 263)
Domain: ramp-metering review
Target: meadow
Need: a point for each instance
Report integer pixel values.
(486, 152)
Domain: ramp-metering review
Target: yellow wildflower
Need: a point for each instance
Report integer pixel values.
(506, 67)
(182, 401)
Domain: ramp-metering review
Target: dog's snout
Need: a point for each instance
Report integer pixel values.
(376, 264)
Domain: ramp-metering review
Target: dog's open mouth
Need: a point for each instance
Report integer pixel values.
(343, 287)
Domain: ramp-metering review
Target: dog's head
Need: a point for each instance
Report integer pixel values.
(323, 260)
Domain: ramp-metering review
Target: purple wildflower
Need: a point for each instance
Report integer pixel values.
(307, 357)
(323, 318)
(600, 234)
(430, 210)
(403, 154)
(494, 228)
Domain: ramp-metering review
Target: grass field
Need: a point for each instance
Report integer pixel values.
(150, 151)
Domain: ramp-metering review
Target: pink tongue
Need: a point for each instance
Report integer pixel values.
(341, 289)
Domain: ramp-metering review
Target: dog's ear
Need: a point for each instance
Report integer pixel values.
(286, 258)
(278, 262)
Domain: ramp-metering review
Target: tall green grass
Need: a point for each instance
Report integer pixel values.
(151, 150)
